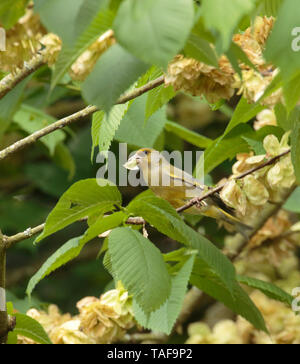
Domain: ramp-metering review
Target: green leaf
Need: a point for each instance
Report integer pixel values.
(268, 7)
(28, 327)
(226, 147)
(236, 54)
(238, 301)
(63, 255)
(9, 15)
(243, 113)
(282, 45)
(256, 139)
(291, 92)
(154, 30)
(224, 16)
(158, 97)
(93, 19)
(134, 131)
(268, 289)
(59, 17)
(165, 219)
(282, 117)
(295, 143)
(140, 267)
(188, 135)
(237, 141)
(112, 75)
(64, 159)
(104, 126)
(10, 103)
(82, 199)
(103, 224)
(163, 319)
(72, 248)
(201, 50)
(293, 203)
(31, 120)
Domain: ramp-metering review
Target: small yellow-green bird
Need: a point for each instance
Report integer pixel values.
(178, 187)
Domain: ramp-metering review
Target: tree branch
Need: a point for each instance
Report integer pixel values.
(12, 80)
(196, 200)
(4, 327)
(75, 117)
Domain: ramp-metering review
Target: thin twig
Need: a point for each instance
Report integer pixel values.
(75, 117)
(12, 80)
(196, 200)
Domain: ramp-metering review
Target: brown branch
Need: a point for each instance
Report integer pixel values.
(75, 117)
(12, 80)
(4, 326)
(196, 200)
(12, 240)
(144, 338)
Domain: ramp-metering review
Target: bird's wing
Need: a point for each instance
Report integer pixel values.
(187, 179)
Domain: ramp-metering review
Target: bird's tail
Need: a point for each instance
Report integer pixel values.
(241, 227)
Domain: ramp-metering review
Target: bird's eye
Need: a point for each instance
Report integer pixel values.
(146, 152)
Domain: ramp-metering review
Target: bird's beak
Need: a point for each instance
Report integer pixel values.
(132, 163)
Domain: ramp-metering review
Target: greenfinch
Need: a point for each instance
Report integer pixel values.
(178, 187)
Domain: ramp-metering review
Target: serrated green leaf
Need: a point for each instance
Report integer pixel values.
(226, 147)
(84, 198)
(31, 120)
(237, 300)
(163, 319)
(154, 30)
(104, 126)
(72, 248)
(201, 50)
(165, 219)
(225, 21)
(255, 141)
(9, 105)
(236, 54)
(268, 289)
(112, 75)
(134, 131)
(28, 327)
(188, 135)
(63, 255)
(93, 19)
(243, 113)
(255, 145)
(103, 224)
(158, 97)
(140, 267)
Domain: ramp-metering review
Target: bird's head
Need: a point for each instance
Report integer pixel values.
(144, 157)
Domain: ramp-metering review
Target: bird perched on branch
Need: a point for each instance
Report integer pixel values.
(179, 187)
